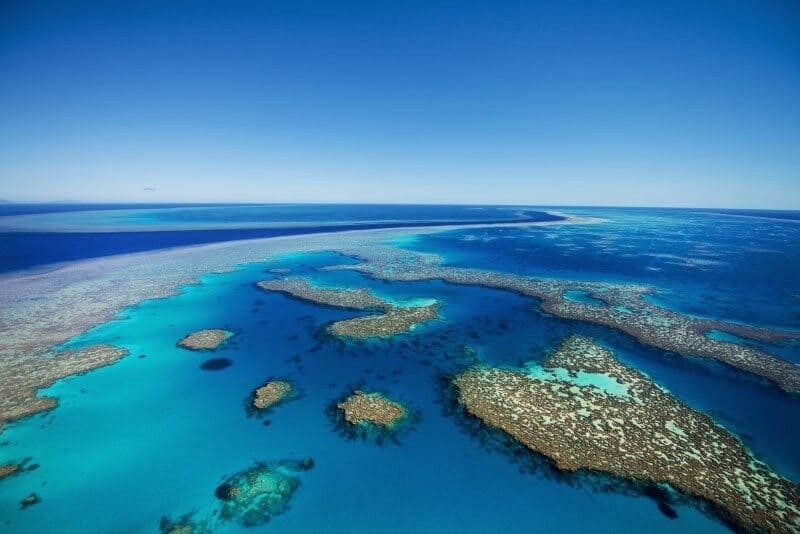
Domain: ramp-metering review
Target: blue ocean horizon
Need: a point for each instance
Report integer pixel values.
(93, 230)
(108, 229)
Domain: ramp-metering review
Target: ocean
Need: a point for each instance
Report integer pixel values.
(36, 235)
(155, 434)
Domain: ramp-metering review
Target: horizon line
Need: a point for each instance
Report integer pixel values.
(157, 203)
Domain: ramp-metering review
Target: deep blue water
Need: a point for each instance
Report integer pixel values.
(789, 215)
(706, 264)
(138, 228)
(154, 436)
(30, 208)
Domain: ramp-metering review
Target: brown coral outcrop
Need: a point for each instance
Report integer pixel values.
(205, 339)
(271, 394)
(586, 410)
(375, 408)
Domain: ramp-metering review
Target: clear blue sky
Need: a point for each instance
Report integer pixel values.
(693, 103)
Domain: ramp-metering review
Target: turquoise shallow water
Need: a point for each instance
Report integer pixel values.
(154, 436)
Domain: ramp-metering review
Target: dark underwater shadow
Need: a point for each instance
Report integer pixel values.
(216, 364)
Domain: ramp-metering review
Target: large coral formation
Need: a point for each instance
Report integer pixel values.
(22, 378)
(393, 319)
(205, 339)
(625, 308)
(585, 410)
(271, 393)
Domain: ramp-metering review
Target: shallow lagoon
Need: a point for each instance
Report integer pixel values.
(155, 436)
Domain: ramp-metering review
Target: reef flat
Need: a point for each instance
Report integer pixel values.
(624, 307)
(22, 378)
(585, 410)
(393, 319)
(371, 408)
(271, 393)
(208, 339)
(258, 494)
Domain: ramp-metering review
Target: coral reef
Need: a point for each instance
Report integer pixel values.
(8, 470)
(271, 393)
(371, 416)
(205, 339)
(254, 496)
(183, 525)
(371, 408)
(21, 378)
(626, 308)
(393, 319)
(583, 409)
(44, 310)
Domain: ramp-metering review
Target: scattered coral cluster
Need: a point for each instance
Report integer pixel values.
(393, 319)
(585, 410)
(38, 312)
(45, 310)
